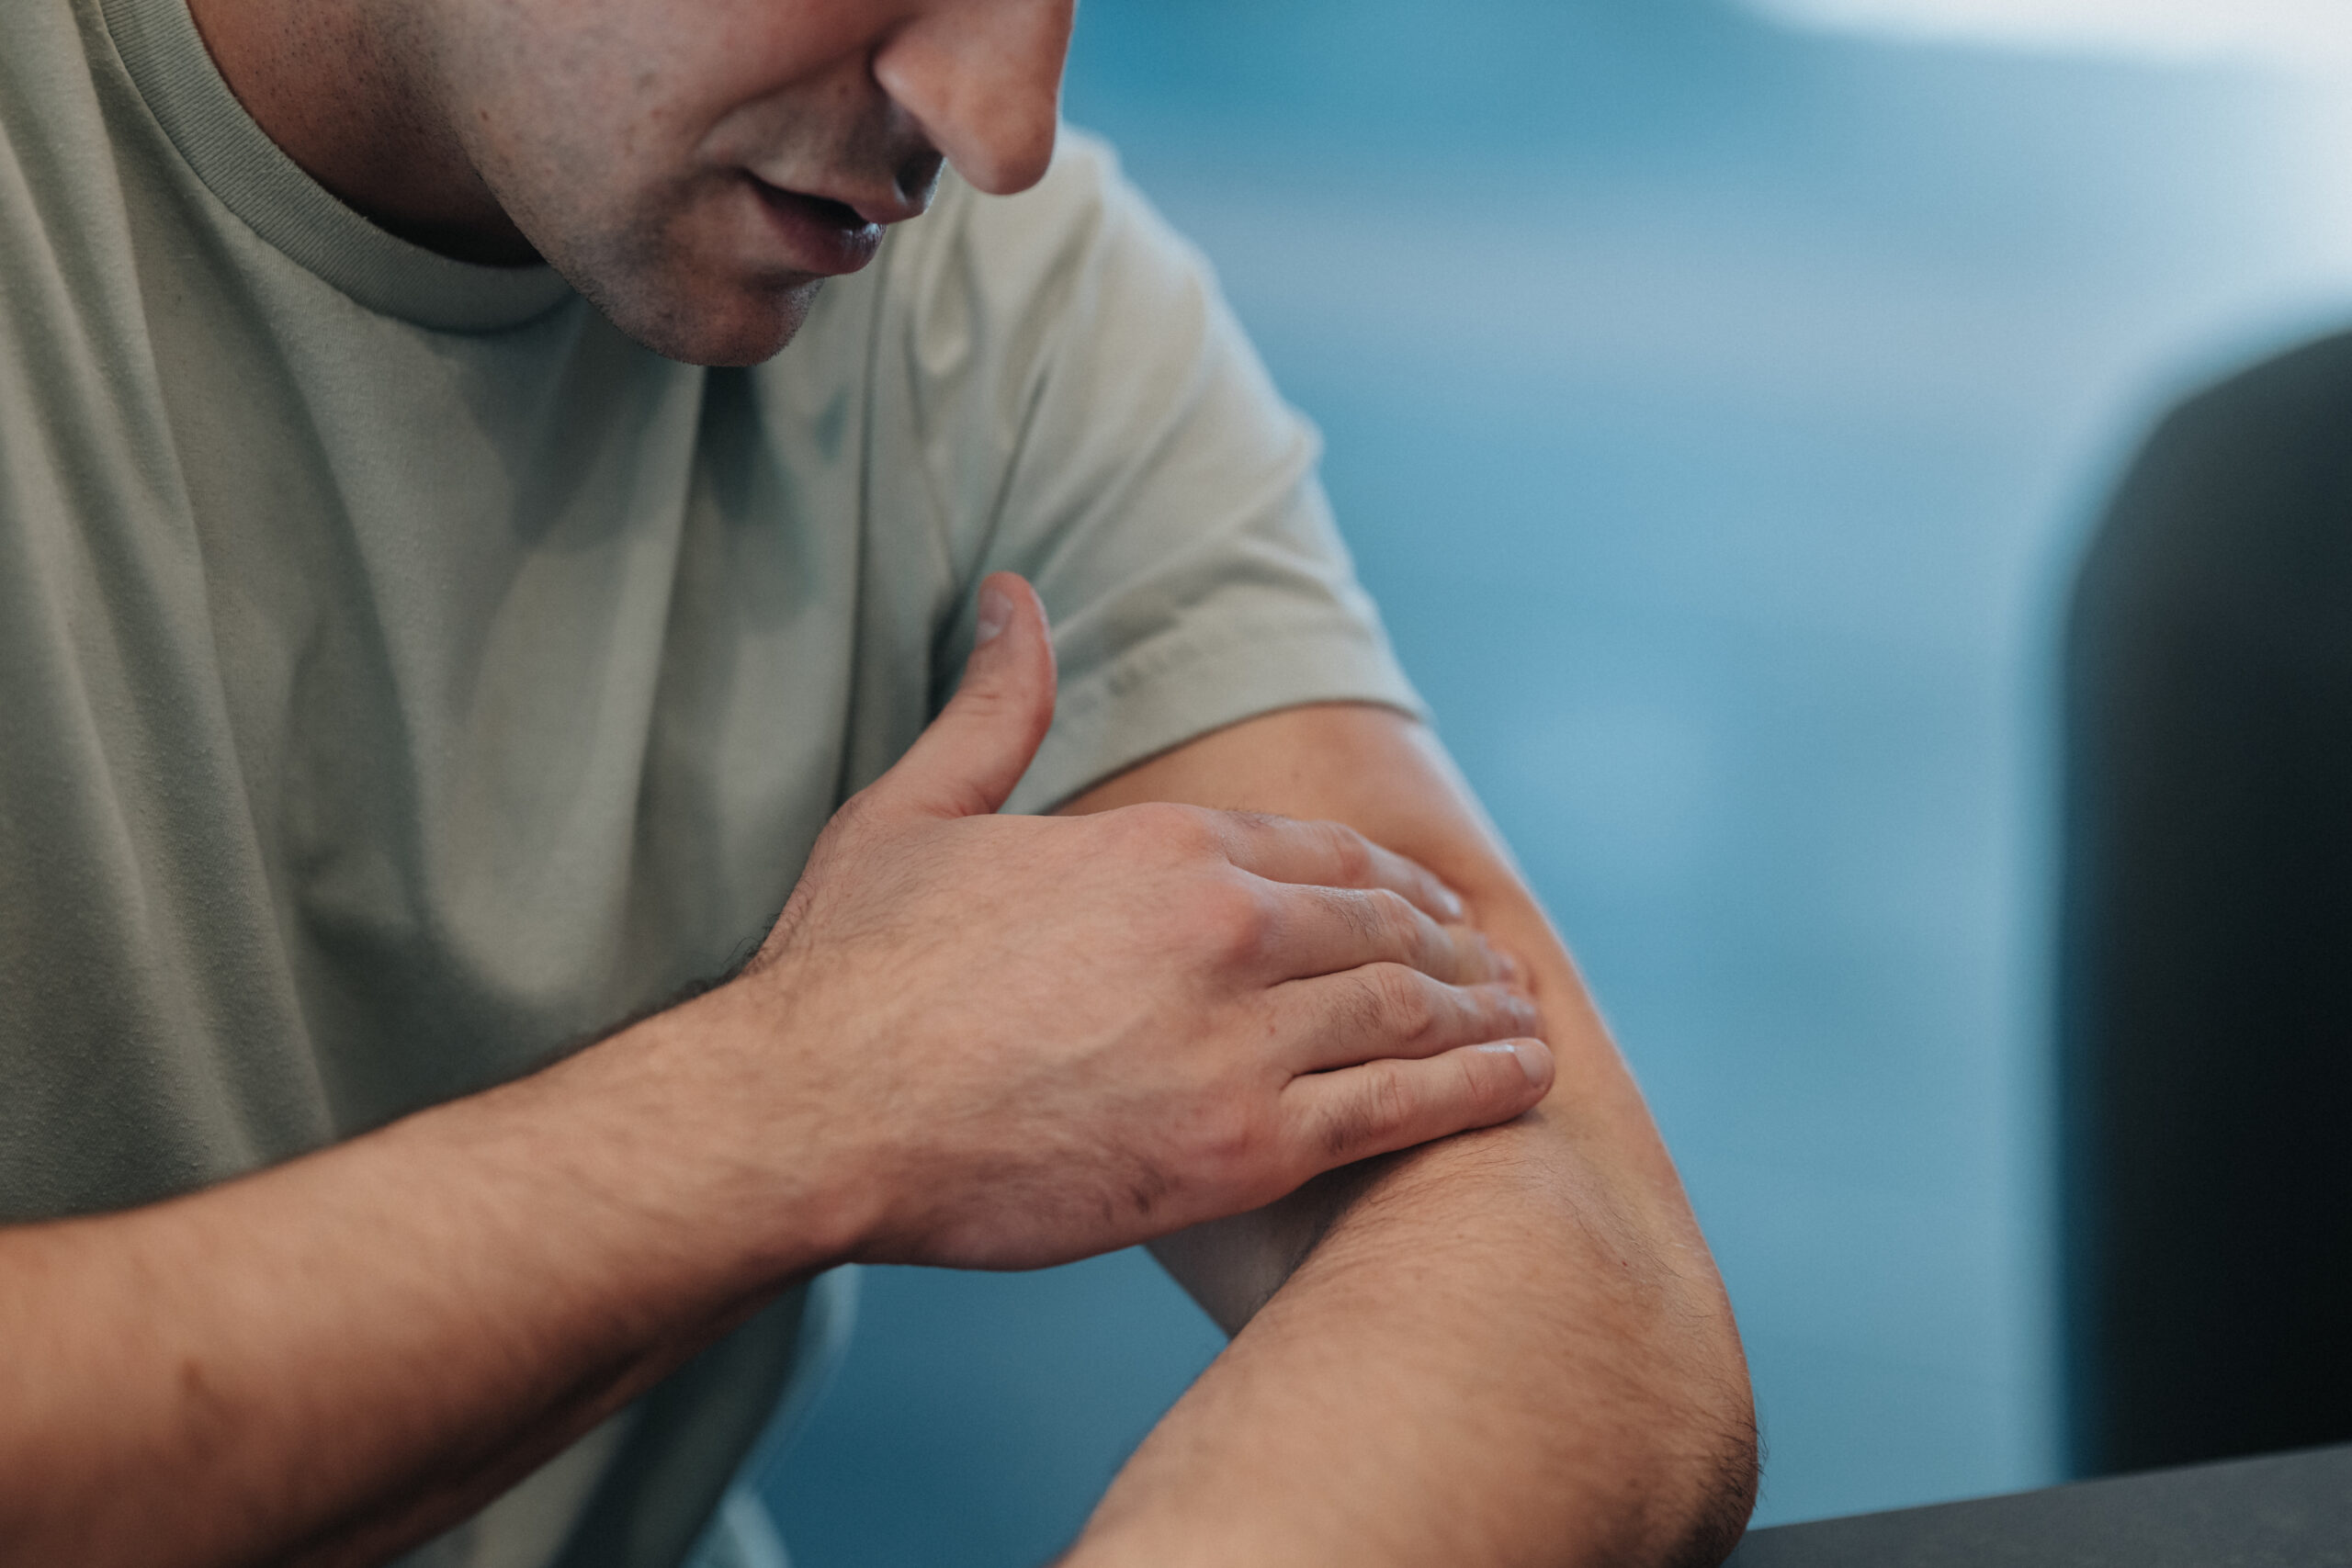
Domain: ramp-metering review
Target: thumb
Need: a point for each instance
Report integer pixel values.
(975, 750)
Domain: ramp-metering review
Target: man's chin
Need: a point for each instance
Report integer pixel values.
(741, 326)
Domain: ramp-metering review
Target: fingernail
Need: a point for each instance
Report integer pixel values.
(995, 614)
(1523, 1053)
(1449, 901)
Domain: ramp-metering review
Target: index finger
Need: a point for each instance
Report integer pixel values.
(1330, 854)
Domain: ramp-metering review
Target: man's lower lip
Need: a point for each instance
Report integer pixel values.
(817, 237)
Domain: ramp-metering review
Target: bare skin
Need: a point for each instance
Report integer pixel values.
(1507, 1347)
(629, 142)
(1081, 1034)
(1083, 1031)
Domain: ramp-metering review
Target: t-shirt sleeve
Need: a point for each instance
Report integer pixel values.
(1137, 466)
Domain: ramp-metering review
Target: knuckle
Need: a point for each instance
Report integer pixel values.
(1371, 1116)
(1391, 1098)
(1243, 1150)
(1404, 1000)
(1351, 852)
(1220, 1140)
(1195, 824)
(1394, 920)
(1374, 998)
(856, 812)
(1520, 1014)
(984, 693)
(1499, 1011)
(1230, 919)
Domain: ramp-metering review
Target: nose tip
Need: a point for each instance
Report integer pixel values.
(983, 81)
(1007, 157)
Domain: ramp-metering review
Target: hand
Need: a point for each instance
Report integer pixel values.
(1016, 1041)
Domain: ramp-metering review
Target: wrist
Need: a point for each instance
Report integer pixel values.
(726, 1141)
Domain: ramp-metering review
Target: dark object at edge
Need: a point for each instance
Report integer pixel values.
(2206, 960)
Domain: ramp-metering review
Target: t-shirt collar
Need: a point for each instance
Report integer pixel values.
(255, 179)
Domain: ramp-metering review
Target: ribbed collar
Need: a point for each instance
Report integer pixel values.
(255, 180)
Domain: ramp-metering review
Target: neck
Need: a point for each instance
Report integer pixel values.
(329, 83)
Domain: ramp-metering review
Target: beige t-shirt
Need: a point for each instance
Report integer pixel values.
(403, 676)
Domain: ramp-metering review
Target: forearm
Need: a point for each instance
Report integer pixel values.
(970, 1040)
(330, 1359)
(1503, 1381)
(1510, 1347)
(1487, 1358)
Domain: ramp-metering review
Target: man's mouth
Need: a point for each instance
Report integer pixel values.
(825, 207)
(816, 233)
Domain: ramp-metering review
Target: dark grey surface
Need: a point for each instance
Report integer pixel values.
(2279, 1511)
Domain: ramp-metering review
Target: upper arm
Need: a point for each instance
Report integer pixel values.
(1377, 770)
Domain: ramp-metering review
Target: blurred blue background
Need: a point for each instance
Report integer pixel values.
(1716, 407)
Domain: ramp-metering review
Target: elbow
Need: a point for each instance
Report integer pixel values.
(1706, 1460)
(1714, 1481)
(1682, 1427)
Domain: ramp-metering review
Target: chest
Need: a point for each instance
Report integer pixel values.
(391, 710)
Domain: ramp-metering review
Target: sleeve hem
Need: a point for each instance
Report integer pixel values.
(1170, 692)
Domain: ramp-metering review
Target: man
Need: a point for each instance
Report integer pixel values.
(418, 666)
